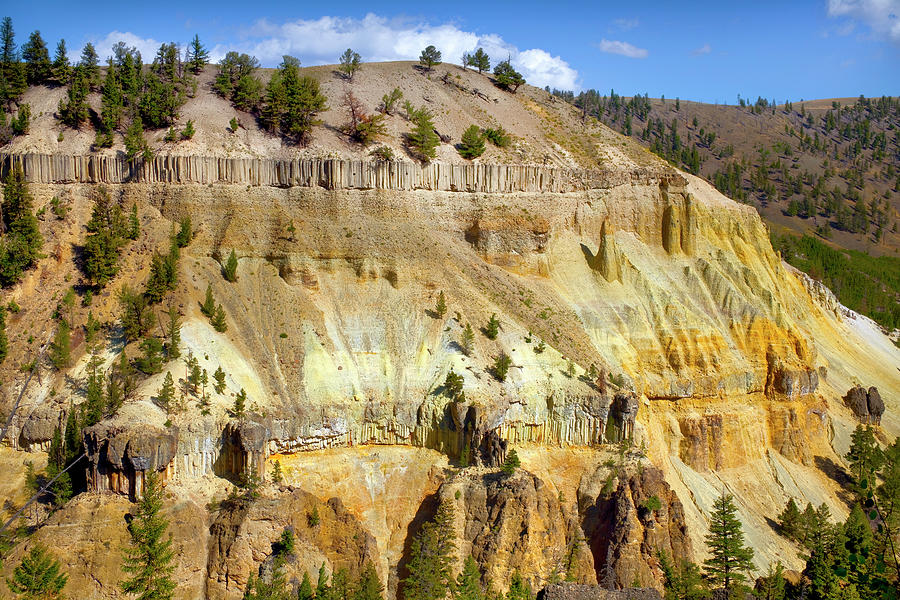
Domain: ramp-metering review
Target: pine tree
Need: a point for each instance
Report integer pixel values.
(148, 558)
(134, 224)
(472, 144)
(21, 246)
(39, 576)
(480, 60)
(507, 77)
(151, 361)
(305, 591)
(518, 589)
(173, 334)
(56, 465)
(37, 60)
(864, 458)
(219, 378)
(229, 271)
(73, 109)
(468, 582)
(493, 327)
(13, 81)
(511, 463)
(135, 144)
(198, 56)
(240, 404)
(790, 520)
(468, 340)
(61, 347)
(422, 139)
(350, 62)
(90, 65)
(368, 586)
(208, 307)
(218, 320)
(440, 308)
(771, 586)
(501, 366)
(431, 559)
(61, 68)
(453, 385)
(4, 341)
(430, 58)
(730, 559)
(166, 394)
(184, 235)
(277, 475)
(684, 582)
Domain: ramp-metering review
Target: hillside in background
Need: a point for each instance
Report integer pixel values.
(828, 170)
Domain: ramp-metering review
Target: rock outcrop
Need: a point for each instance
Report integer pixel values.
(510, 523)
(243, 534)
(867, 406)
(574, 591)
(627, 528)
(119, 456)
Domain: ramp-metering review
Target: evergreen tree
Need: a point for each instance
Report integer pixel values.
(61, 68)
(112, 104)
(61, 347)
(518, 589)
(198, 56)
(790, 520)
(90, 65)
(134, 224)
(430, 57)
(501, 366)
(173, 334)
(684, 582)
(507, 77)
(184, 235)
(305, 591)
(864, 458)
(137, 318)
(135, 144)
(468, 582)
(37, 60)
(422, 139)
(729, 559)
(4, 341)
(208, 307)
(219, 378)
(218, 320)
(229, 271)
(20, 247)
(472, 144)
(277, 475)
(511, 463)
(453, 385)
(106, 229)
(39, 576)
(148, 558)
(480, 60)
(73, 109)
(368, 586)
(493, 327)
(240, 404)
(151, 361)
(56, 465)
(13, 80)
(468, 340)
(350, 63)
(771, 586)
(431, 559)
(303, 101)
(166, 394)
(440, 308)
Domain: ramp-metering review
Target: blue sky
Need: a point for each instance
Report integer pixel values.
(706, 51)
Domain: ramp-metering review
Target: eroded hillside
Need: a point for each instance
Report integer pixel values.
(634, 301)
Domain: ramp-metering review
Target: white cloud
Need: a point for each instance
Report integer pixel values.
(146, 46)
(882, 16)
(378, 39)
(626, 24)
(704, 49)
(623, 48)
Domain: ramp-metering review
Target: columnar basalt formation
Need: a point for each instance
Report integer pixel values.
(120, 456)
(333, 174)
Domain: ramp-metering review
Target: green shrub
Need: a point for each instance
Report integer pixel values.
(472, 145)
